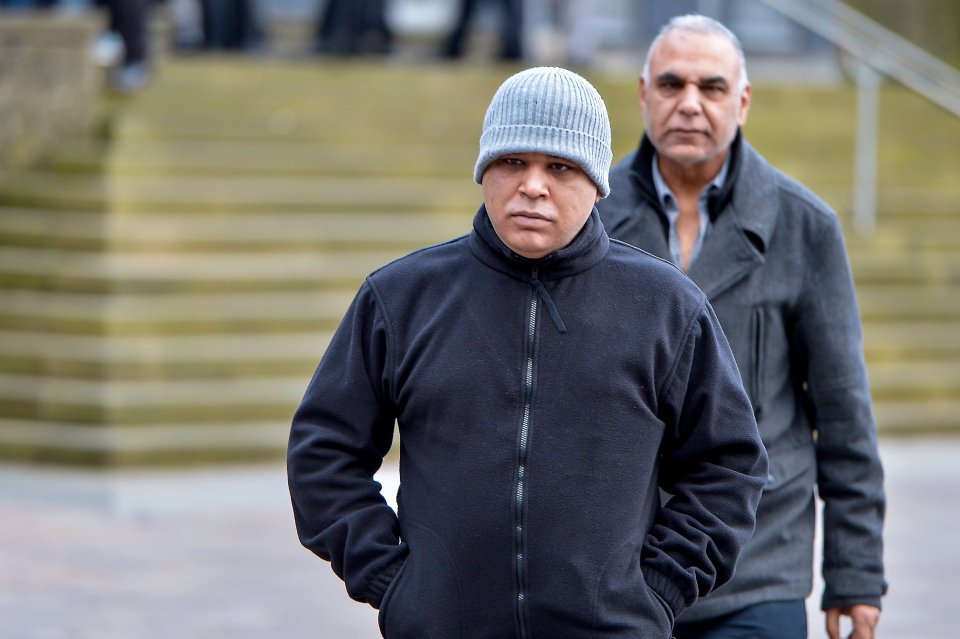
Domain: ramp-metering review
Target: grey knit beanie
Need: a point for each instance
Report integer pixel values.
(553, 111)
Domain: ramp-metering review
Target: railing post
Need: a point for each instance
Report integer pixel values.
(865, 169)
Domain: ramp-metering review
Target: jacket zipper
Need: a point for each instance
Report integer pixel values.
(520, 492)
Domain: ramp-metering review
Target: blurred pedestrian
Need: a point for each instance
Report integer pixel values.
(129, 20)
(770, 256)
(27, 4)
(581, 41)
(186, 20)
(353, 27)
(510, 36)
(231, 25)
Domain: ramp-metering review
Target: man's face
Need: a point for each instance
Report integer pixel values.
(537, 203)
(692, 102)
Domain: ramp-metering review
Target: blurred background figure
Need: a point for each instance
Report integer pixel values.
(216, 25)
(511, 30)
(186, 21)
(231, 25)
(581, 39)
(353, 27)
(27, 4)
(128, 29)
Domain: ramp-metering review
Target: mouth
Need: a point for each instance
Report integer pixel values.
(682, 131)
(530, 218)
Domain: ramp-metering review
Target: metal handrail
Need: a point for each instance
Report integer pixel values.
(877, 47)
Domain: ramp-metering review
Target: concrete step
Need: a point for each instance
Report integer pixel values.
(895, 340)
(297, 157)
(894, 199)
(906, 234)
(150, 401)
(115, 444)
(131, 357)
(915, 379)
(292, 156)
(355, 123)
(171, 272)
(200, 312)
(886, 266)
(885, 303)
(162, 232)
(241, 193)
(918, 416)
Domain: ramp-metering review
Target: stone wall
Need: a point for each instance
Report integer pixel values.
(49, 84)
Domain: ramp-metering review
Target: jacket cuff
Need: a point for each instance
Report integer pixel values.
(851, 587)
(378, 585)
(666, 590)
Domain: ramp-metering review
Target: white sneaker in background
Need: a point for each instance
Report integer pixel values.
(108, 49)
(130, 78)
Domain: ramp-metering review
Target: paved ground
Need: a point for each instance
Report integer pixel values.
(213, 554)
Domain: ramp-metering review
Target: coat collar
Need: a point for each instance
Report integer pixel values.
(744, 215)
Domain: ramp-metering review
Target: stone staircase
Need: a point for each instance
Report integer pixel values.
(908, 271)
(167, 290)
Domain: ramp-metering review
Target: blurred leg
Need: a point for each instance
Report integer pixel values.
(511, 30)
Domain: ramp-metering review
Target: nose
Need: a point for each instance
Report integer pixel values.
(690, 99)
(533, 182)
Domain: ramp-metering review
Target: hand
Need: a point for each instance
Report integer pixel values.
(865, 619)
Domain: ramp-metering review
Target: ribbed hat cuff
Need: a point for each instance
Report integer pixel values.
(576, 146)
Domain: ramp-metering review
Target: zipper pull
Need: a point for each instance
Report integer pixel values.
(548, 302)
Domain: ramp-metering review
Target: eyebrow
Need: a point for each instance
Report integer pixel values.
(717, 80)
(713, 80)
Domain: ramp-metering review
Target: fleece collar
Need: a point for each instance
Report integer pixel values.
(588, 247)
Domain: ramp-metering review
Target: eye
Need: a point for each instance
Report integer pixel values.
(670, 87)
(559, 166)
(713, 90)
(511, 161)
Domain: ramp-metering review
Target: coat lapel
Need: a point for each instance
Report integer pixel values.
(729, 254)
(726, 257)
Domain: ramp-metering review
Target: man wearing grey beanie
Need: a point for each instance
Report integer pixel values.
(547, 384)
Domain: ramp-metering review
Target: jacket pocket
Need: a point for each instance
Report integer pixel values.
(758, 352)
(788, 466)
(425, 599)
(626, 603)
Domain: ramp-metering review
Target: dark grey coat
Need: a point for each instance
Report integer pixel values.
(775, 269)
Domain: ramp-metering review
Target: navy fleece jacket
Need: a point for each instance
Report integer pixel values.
(540, 404)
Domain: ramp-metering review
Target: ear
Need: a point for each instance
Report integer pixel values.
(641, 91)
(746, 97)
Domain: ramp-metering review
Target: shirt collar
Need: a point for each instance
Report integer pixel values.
(666, 196)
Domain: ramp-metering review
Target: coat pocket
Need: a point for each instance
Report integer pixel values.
(790, 466)
(425, 600)
(626, 603)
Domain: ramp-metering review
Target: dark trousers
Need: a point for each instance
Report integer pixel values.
(129, 19)
(231, 25)
(773, 620)
(511, 29)
(353, 27)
